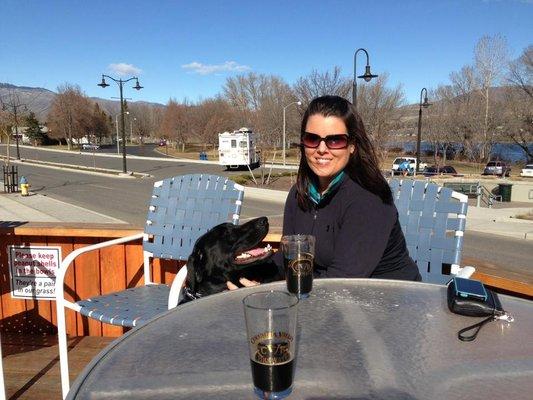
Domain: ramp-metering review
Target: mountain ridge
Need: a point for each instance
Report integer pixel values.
(39, 100)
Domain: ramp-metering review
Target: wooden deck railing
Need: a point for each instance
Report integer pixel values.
(121, 264)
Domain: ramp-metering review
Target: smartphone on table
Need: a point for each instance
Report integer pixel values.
(469, 288)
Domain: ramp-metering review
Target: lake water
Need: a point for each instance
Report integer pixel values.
(501, 151)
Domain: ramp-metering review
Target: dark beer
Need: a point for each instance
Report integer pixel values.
(299, 274)
(272, 378)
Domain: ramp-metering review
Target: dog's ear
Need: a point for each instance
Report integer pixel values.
(194, 268)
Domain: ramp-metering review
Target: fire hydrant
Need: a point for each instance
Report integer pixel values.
(24, 186)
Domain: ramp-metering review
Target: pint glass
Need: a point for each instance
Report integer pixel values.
(271, 328)
(298, 256)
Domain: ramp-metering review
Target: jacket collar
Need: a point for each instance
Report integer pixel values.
(316, 197)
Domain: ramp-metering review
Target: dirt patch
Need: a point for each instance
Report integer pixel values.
(276, 182)
(528, 216)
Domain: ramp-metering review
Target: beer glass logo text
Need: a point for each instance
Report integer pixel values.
(303, 265)
(272, 347)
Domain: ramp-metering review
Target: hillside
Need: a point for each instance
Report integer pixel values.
(39, 100)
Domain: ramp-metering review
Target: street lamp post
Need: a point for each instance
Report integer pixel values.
(284, 140)
(367, 76)
(424, 104)
(120, 83)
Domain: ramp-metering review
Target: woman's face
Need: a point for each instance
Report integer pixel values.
(325, 162)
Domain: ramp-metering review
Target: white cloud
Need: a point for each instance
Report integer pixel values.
(123, 69)
(205, 69)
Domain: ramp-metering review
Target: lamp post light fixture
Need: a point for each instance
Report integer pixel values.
(120, 83)
(424, 104)
(284, 140)
(367, 76)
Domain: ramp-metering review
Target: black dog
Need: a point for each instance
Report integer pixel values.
(227, 252)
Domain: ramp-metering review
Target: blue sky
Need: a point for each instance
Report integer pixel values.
(187, 49)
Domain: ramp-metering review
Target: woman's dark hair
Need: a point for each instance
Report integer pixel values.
(362, 167)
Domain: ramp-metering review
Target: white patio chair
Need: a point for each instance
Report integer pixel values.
(433, 220)
(181, 210)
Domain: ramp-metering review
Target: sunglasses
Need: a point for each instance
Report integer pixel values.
(333, 142)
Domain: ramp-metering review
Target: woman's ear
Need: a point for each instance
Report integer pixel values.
(352, 148)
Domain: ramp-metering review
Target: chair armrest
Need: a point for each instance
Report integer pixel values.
(175, 294)
(68, 259)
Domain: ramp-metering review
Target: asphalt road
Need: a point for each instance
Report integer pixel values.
(126, 199)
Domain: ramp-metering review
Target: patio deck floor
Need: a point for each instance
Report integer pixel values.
(31, 363)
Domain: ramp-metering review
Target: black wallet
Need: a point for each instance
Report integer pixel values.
(472, 307)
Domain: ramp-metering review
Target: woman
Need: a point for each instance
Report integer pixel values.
(341, 198)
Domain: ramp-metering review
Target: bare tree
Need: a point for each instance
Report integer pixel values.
(147, 120)
(491, 58)
(521, 72)
(321, 83)
(465, 112)
(12, 104)
(176, 121)
(6, 125)
(378, 106)
(244, 94)
(441, 121)
(517, 115)
(211, 117)
(70, 114)
(258, 101)
(519, 102)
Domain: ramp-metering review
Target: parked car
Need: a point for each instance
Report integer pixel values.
(412, 161)
(434, 170)
(90, 146)
(527, 171)
(497, 168)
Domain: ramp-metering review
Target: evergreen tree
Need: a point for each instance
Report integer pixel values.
(33, 129)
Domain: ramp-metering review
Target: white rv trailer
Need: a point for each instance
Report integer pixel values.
(238, 149)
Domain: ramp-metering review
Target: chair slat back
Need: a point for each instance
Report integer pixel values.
(184, 207)
(433, 220)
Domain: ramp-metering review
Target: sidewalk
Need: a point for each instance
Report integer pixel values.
(39, 208)
(500, 221)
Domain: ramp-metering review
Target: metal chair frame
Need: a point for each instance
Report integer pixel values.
(175, 220)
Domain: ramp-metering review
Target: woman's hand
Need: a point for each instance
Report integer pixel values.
(243, 281)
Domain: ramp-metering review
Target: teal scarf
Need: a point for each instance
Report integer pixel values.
(315, 195)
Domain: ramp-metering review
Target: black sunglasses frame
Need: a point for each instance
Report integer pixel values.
(327, 140)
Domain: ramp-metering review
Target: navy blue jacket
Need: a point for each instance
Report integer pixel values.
(357, 235)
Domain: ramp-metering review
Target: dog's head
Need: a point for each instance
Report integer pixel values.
(223, 250)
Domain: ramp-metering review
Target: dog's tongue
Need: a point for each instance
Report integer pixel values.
(256, 252)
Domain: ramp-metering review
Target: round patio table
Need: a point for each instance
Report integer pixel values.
(357, 339)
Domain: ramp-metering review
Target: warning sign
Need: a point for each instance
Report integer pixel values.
(33, 271)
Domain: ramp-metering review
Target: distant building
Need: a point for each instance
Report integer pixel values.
(21, 131)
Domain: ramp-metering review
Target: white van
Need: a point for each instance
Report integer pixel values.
(238, 149)
(412, 162)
